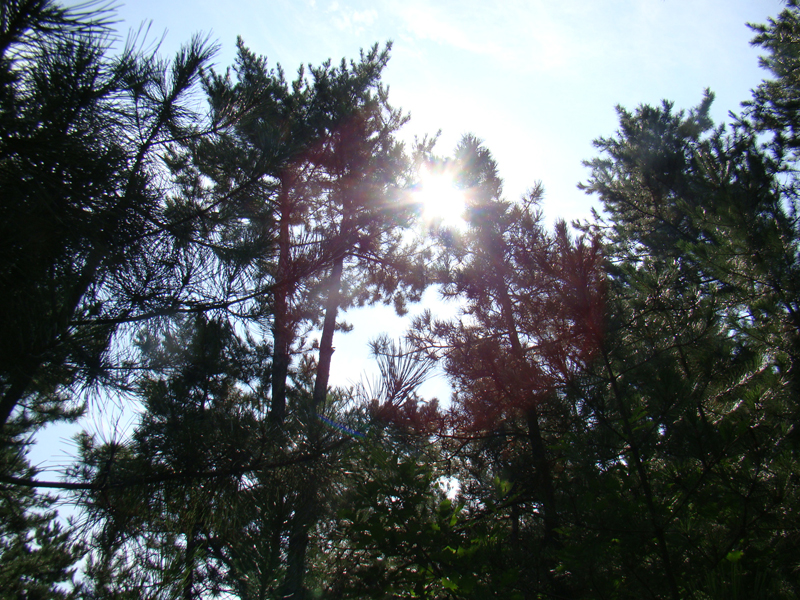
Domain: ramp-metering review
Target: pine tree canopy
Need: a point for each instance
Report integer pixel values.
(187, 242)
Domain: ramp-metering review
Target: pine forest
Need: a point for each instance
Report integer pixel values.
(192, 241)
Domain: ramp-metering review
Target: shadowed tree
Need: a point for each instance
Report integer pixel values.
(82, 241)
(194, 453)
(83, 244)
(38, 555)
(321, 155)
(690, 403)
(532, 309)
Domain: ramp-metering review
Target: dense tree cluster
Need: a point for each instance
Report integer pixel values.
(626, 391)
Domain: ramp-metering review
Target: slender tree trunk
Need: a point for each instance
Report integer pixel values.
(515, 528)
(304, 516)
(544, 477)
(538, 448)
(541, 463)
(188, 577)
(644, 479)
(274, 524)
(281, 331)
(328, 329)
(296, 562)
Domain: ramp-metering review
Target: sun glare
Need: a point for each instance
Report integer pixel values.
(440, 201)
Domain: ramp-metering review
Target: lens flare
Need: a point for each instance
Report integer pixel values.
(441, 203)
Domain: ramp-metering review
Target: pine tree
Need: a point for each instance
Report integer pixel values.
(174, 500)
(395, 532)
(321, 154)
(530, 308)
(83, 242)
(321, 157)
(773, 110)
(38, 554)
(688, 412)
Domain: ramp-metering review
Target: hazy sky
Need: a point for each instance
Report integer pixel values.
(536, 80)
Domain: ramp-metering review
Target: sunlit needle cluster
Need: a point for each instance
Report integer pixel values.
(441, 202)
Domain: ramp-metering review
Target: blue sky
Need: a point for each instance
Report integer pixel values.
(537, 80)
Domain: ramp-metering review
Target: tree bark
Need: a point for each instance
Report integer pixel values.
(641, 471)
(188, 577)
(281, 331)
(304, 515)
(538, 448)
(328, 329)
(544, 477)
(541, 463)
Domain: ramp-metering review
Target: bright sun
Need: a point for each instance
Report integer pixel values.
(441, 202)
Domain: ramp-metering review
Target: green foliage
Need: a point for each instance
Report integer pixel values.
(168, 500)
(625, 407)
(398, 536)
(692, 401)
(773, 108)
(531, 317)
(80, 132)
(38, 554)
(83, 248)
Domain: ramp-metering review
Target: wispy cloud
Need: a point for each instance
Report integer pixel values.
(443, 25)
(350, 19)
(527, 35)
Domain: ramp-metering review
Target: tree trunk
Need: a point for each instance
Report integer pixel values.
(544, 477)
(281, 331)
(188, 575)
(304, 515)
(641, 471)
(328, 329)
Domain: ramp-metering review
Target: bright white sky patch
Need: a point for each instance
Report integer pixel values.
(441, 202)
(425, 21)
